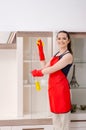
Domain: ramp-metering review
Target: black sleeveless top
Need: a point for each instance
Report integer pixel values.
(66, 69)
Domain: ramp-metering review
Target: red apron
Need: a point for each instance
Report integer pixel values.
(59, 91)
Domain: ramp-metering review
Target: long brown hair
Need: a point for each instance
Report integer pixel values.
(69, 44)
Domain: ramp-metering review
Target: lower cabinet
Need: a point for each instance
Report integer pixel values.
(33, 127)
(78, 125)
(77, 128)
(16, 128)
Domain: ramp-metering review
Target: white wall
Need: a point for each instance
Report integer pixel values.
(8, 84)
(4, 37)
(42, 15)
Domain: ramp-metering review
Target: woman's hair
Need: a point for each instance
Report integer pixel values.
(69, 44)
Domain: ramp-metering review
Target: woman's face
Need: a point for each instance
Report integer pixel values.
(62, 40)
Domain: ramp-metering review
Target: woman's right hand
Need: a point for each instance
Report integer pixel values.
(37, 73)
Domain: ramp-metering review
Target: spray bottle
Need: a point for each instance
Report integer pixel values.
(37, 84)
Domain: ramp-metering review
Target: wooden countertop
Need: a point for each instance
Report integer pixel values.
(43, 121)
(19, 122)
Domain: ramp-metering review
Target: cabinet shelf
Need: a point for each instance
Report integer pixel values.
(29, 61)
(79, 88)
(29, 85)
(79, 111)
(82, 86)
(80, 62)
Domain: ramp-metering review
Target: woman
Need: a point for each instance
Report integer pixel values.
(58, 89)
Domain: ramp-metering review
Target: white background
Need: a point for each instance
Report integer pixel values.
(42, 15)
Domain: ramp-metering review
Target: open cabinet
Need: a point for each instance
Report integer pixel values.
(32, 103)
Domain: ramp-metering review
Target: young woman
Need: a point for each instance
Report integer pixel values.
(58, 85)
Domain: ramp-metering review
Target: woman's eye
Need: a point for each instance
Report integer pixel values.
(59, 38)
(64, 38)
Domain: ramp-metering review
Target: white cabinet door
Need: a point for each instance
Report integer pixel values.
(78, 126)
(47, 127)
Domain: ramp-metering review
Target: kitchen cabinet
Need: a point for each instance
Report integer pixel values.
(32, 103)
(27, 102)
(37, 127)
(78, 125)
(78, 93)
(78, 88)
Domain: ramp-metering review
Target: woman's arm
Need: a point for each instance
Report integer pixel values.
(41, 53)
(44, 64)
(64, 61)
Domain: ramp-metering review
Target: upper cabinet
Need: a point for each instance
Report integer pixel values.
(78, 75)
(35, 102)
